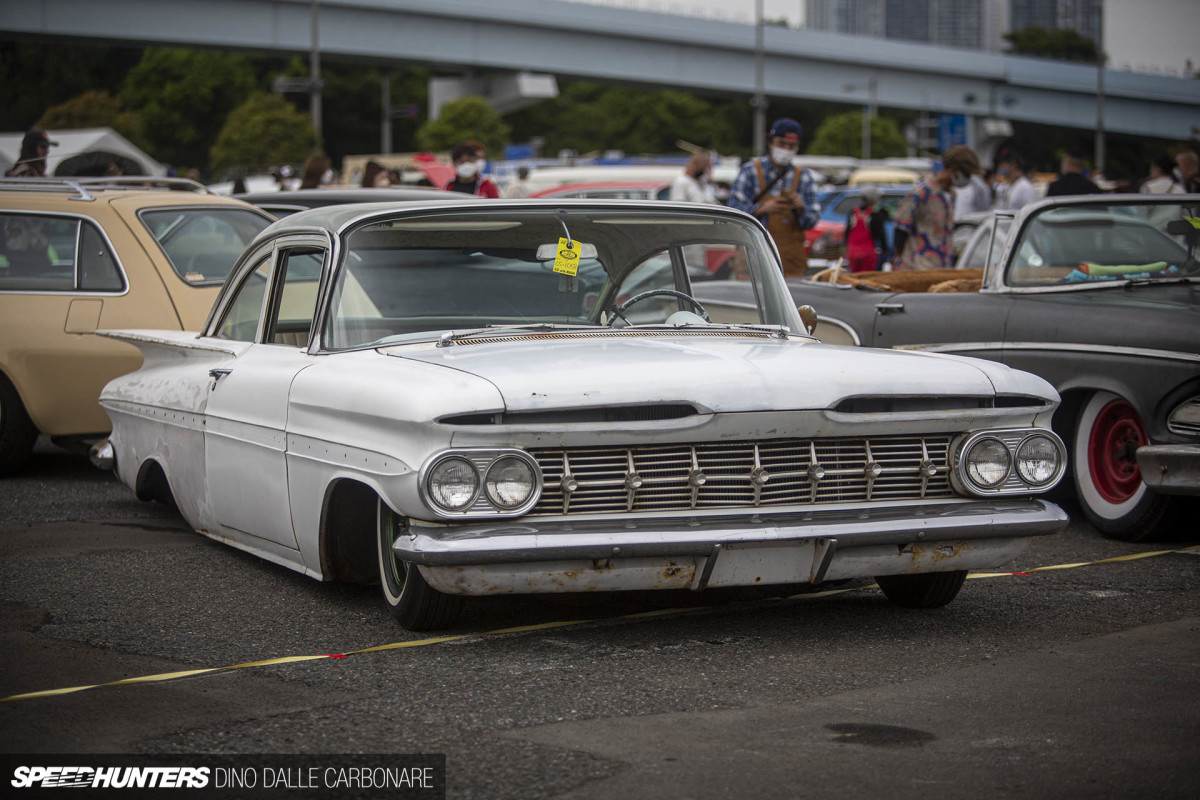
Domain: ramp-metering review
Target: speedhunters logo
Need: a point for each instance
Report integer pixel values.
(110, 777)
(247, 776)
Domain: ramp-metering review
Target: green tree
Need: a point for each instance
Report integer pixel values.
(466, 118)
(94, 109)
(183, 96)
(35, 76)
(841, 135)
(264, 131)
(590, 118)
(1062, 44)
(351, 108)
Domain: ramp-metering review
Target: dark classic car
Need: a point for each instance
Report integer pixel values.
(1097, 294)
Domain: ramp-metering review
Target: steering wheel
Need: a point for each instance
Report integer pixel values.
(619, 311)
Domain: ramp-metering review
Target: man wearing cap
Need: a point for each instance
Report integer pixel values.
(32, 162)
(925, 218)
(782, 195)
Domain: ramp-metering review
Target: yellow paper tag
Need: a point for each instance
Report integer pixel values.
(566, 261)
(1194, 220)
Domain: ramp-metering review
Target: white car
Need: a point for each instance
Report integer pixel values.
(523, 396)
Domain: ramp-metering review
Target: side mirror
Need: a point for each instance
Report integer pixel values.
(808, 315)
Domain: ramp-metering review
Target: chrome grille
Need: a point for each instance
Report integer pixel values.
(715, 475)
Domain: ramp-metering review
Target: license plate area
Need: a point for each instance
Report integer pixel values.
(759, 564)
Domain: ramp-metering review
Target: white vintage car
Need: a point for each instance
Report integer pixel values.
(521, 397)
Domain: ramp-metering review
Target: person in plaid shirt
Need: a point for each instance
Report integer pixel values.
(781, 195)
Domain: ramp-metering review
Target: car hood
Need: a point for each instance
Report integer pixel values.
(715, 375)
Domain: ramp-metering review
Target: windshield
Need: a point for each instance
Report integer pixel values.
(202, 244)
(412, 275)
(1104, 242)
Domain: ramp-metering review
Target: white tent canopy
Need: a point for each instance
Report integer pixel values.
(86, 151)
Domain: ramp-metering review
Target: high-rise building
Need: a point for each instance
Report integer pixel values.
(1083, 16)
(975, 24)
(1033, 14)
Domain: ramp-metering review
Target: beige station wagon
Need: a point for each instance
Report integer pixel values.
(78, 255)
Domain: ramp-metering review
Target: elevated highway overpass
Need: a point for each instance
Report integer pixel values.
(636, 47)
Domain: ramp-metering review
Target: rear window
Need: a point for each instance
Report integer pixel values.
(40, 253)
(202, 244)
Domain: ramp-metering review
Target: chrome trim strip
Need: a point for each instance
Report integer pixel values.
(837, 323)
(1066, 347)
(628, 536)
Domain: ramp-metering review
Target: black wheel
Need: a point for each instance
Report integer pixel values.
(414, 603)
(1108, 482)
(619, 311)
(17, 432)
(930, 590)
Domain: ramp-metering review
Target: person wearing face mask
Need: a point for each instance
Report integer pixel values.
(1019, 191)
(925, 218)
(467, 179)
(780, 194)
(1162, 178)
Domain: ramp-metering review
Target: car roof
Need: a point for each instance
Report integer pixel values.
(316, 198)
(336, 217)
(79, 192)
(583, 185)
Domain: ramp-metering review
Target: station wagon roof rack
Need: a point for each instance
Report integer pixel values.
(82, 188)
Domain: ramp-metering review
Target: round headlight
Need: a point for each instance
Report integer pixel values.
(510, 482)
(988, 462)
(453, 484)
(1037, 460)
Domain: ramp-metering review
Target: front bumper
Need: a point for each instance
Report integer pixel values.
(728, 550)
(1171, 468)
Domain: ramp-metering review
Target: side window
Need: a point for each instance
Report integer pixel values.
(97, 268)
(37, 253)
(299, 279)
(242, 314)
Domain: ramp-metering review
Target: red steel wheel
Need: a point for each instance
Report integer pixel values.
(1116, 434)
(1108, 433)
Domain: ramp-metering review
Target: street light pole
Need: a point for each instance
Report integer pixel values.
(385, 121)
(868, 115)
(868, 112)
(1099, 154)
(760, 101)
(314, 73)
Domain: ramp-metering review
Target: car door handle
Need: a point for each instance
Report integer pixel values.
(888, 308)
(216, 373)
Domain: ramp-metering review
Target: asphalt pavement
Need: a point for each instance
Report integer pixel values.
(1080, 682)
